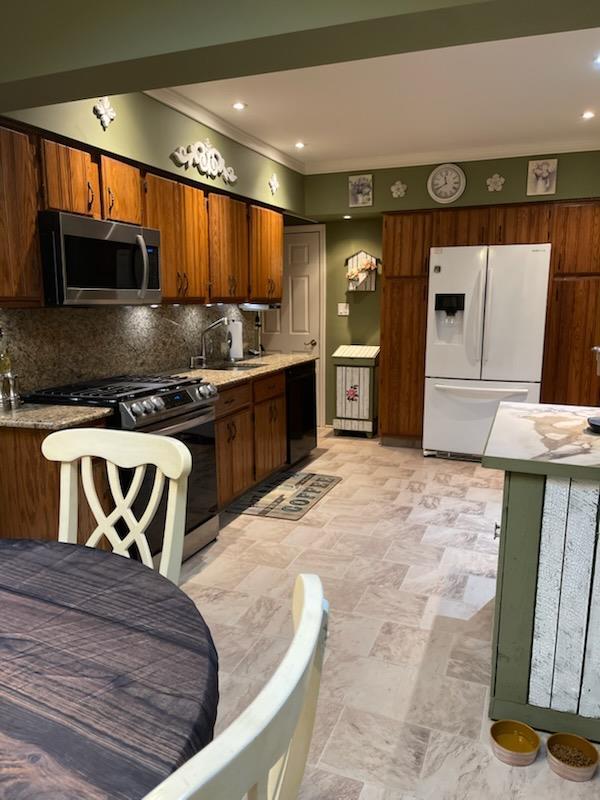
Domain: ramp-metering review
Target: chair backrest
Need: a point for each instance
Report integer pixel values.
(263, 752)
(77, 448)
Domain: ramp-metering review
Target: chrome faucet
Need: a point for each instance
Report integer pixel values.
(200, 361)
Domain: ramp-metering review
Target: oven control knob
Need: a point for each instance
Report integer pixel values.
(158, 403)
(136, 409)
(212, 389)
(204, 390)
(148, 406)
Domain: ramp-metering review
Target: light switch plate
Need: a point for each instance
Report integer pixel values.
(343, 310)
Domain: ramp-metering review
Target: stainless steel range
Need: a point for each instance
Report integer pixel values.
(166, 406)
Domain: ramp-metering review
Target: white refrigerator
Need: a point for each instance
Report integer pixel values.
(485, 339)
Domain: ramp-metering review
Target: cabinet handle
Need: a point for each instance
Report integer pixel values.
(558, 265)
(275, 413)
(234, 283)
(186, 283)
(229, 437)
(229, 402)
(270, 412)
(111, 199)
(500, 233)
(91, 196)
(234, 426)
(178, 282)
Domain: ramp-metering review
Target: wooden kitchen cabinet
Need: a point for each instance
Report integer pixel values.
(70, 179)
(235, 455)
(529, 223)
(20, 269)
(266, 255)
(406, 243)
(572, 329)
(402, 358)
(576, 238)
(121, 191)
(458, 227)
(270, 443)
(179, 212)
(228, 249)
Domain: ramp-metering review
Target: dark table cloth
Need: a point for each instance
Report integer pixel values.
(108, 674)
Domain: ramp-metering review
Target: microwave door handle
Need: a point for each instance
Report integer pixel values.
(146, 262)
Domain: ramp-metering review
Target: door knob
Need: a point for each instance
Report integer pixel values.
(312, 343)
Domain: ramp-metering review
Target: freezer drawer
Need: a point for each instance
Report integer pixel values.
(459, 414)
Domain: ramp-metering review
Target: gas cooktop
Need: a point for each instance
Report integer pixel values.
(140, 399)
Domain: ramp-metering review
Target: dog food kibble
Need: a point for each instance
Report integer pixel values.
(571, 756)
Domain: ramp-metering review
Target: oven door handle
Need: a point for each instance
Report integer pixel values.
(185, 426)
(141, 242)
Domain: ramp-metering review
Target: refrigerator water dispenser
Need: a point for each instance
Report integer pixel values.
(449, 317)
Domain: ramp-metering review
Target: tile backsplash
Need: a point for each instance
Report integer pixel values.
(52, 346)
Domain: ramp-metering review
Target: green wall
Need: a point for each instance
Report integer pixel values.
(148, 131)
(327, 194)
(362, 326)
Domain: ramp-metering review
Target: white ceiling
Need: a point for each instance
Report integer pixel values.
(515, 97)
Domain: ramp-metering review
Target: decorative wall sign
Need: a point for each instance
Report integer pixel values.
(360, 190)
(398, 189)
(495, 182)
(105, 112)
(541, 176)
(273, 183)
(361, 271)
(206, 158)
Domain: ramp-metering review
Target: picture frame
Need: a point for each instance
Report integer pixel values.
(360, 191)
(542, 175)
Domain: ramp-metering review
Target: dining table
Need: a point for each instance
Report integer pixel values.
(108, 674)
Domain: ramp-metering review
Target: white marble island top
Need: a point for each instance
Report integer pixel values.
(544, 439)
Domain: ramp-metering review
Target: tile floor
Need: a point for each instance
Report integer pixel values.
(405, 549)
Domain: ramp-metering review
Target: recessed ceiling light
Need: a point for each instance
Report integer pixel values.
(588, 115)
(347, 216)
(300, 145)
(597, 60)
(239, 106)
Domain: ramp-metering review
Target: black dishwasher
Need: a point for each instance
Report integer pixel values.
(301, 397)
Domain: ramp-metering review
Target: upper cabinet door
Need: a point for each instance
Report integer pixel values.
(576, 238)
(20, 272)
(194, 228)
(529, 223)
(458, 227)
(162, 212)
(69, 180)
(406, 243)
(121, 191)
(228, 249)
(266, 254)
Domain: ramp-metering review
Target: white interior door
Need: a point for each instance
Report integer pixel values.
(515, 312)
(298, 326)
(456, 274)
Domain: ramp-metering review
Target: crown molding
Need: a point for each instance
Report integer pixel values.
(443, 156)
(176, 101)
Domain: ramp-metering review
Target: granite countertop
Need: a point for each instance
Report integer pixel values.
(55, 418)
(51, 418)
(257, 368)
(544, 439)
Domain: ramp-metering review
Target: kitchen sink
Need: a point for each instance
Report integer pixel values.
(231, 367)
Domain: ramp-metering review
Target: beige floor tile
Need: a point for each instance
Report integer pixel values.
(392, 604)
(217, 605)
(355, 544)
(449, 537)
(367, 571)
(469, 562)
(272, 554)
(268, 616)
(342, 594)
(435, 581)
(352, 633)
(305, 536)
(232, 644)
(414, 554)
(235, 695)
(414, 647)
(470, 660)
(322, 562)
(447, 704)
(328, 713)
(318, 784)
(262, 659)
(369, 747)
(224, 572)
(268, 581)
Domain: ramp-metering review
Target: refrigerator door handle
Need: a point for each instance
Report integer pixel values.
(481, 392)
(475, 323)
(488, 313)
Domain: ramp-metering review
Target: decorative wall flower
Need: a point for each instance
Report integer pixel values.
(105, 112)
(273, 183)
(398, 189)
(495, 183)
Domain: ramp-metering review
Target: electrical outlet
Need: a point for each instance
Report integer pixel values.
(343, 310)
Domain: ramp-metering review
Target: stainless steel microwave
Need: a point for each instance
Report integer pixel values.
(88, 261)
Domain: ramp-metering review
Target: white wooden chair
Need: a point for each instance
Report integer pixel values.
(125, 450)
(262, 754)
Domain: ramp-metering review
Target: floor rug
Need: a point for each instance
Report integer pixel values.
(288, 495)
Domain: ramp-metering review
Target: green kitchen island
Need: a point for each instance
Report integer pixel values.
(546, 643)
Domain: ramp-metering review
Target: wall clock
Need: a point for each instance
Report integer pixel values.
(446, 183)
